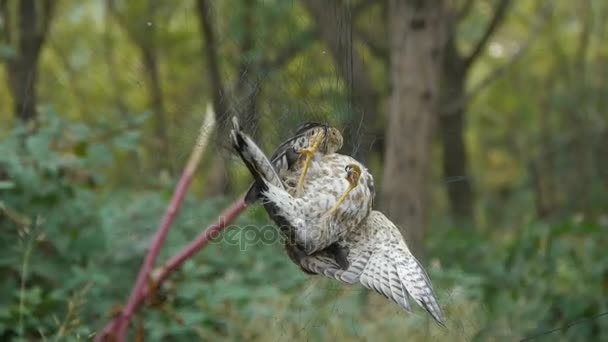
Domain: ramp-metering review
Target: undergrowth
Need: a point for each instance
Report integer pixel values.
(72, 243)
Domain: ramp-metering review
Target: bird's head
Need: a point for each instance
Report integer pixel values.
(334, 140)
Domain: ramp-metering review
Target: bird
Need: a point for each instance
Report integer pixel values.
(309, 138)
(335, 209)
(290, 162)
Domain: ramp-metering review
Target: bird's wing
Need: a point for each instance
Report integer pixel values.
(380, 261)
(253, 157)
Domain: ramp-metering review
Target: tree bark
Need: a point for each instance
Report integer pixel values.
(150, 62)
(247, 86)
(218, 181)
(335, 30)
(453, 107)
(143, 36)
(416, 44)
(149, 56)
(451, 128)
(578, 116)
(109, 49)
(32, 29)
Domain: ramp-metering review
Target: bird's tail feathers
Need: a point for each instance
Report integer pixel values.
(419, 286)
(258, 165)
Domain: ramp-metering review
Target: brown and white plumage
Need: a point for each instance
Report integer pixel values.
(314, 216)
(378, 257)
(287, 155)
(308, 215)
(381, 261)
(285, 167)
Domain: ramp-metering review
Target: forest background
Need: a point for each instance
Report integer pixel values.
(484, 123)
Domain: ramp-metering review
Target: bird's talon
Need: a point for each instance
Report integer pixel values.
(353, 173)
(309, 152)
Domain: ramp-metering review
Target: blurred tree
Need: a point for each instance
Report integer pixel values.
(452, 108)
(416, 46)
(578, 116)
(536, 131)
(26, 36)
(218, 181)
(335, 29)
(143, 34)
(109, 53)
(253, 66)
(572, 98)
(248, 86)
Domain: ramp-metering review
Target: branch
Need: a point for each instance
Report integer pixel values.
(122, 321)
(226, 218)
(176, 261)
(499, 15)
(500, 70)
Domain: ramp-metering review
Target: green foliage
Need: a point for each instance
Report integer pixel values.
(533, 278)
(70, 253)
(50, 228)
(80, 197)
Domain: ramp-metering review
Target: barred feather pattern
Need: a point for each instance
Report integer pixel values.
(316, 225)
(378, 256)
(284, 161)
(286, 155)
(381, 261)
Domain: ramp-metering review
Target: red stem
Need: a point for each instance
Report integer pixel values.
(113, 329)
(159, 238)
(227, 217)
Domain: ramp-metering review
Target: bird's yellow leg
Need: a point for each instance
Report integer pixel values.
(309, 152)
(353, 173)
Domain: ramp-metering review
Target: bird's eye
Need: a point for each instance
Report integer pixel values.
(347, 168)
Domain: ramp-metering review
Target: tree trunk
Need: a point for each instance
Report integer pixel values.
(149, 55)
(150, 61)
(543, 169)
(415, 31)
(218, 181)
(144, 38)
(22, 70)
(335, 30)
(109, 48)
(248, 86)
(452, 110)
(451, 124)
